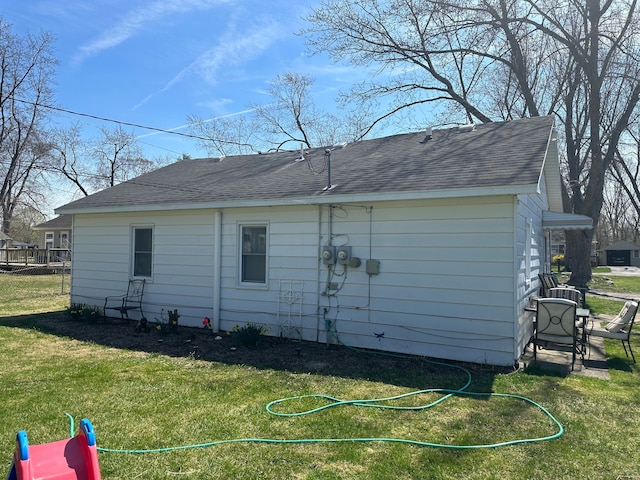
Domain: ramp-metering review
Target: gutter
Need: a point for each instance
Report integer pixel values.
(322, 199)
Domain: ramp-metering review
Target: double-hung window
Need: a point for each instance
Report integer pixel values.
(253, 263)
(142, 254)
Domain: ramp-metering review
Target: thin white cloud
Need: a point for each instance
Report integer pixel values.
(61, 11)
(136, 20)
(234, 48)
(208, 120)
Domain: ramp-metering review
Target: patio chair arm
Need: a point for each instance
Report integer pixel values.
(112, 298)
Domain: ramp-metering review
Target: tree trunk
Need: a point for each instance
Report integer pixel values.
(578, 256)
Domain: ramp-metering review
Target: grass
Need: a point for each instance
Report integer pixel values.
(27, 294)
(143, 400)
(630, 284)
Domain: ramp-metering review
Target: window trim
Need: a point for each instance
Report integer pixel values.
(68, 243)
(132, 252)
(240, 281)
(49, 239)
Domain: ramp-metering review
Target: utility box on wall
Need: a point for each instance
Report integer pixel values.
(328, 254)
(373, 267)
(343, 254)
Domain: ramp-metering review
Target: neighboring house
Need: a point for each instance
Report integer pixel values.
(426, 244)
(55, 233)
(621, 254)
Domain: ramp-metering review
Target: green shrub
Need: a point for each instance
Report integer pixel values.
(84, 313)
(249, 334)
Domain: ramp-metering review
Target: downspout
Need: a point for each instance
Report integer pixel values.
(318, 279)
(515, 315)
(71, 256)
(217, 268)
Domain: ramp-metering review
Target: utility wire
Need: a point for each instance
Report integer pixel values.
(118, 122)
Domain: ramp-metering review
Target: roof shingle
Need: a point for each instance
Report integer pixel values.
(492, 155)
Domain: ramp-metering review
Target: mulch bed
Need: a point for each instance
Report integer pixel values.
(270, 352)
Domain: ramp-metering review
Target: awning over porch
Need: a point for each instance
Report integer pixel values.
(565, 221)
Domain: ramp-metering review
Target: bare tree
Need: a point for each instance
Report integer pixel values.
(289, 118)
(625, 169)
(293, 116)
(617, 214)
(503, 59)
(69, 157)
(24, 219)
(24, 183)
(26, 73)
(224, 136)
(91, 164)
(116, 158)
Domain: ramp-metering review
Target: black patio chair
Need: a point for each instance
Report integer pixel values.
(132, 300)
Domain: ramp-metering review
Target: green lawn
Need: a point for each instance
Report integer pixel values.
(608, 283)
(138, 400)
(27, 294)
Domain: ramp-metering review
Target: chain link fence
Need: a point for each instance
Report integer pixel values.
(30, 289)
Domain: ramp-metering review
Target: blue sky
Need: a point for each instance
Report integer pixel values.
(154, 62)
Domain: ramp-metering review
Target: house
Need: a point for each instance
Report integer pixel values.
(621, 254)
(55, 233)
(424, 243)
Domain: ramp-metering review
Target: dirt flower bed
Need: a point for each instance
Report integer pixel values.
(270, 352)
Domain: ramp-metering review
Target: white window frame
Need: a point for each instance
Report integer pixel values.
(241, 255)
(49, 240)
(133, 253)
(64, 242)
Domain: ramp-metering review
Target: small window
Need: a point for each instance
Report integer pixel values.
(64, 240)
(142, 251)
(48, 240)
(254, 254)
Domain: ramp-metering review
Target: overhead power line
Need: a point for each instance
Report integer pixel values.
(118, 122)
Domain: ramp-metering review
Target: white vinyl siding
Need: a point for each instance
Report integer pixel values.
(445, 286)
(530, 255)
(182, 261)
(291, 256)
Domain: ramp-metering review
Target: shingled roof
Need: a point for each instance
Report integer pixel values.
(61, 221)
(505, 157)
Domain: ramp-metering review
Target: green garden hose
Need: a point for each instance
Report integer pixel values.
(333, 402)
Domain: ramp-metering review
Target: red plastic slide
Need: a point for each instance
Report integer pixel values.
(71, 459)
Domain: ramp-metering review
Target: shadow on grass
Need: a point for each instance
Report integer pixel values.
(620, 363)
(539, 369)
(271, 353)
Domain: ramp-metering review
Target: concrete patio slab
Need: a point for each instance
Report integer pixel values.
(593, 365)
